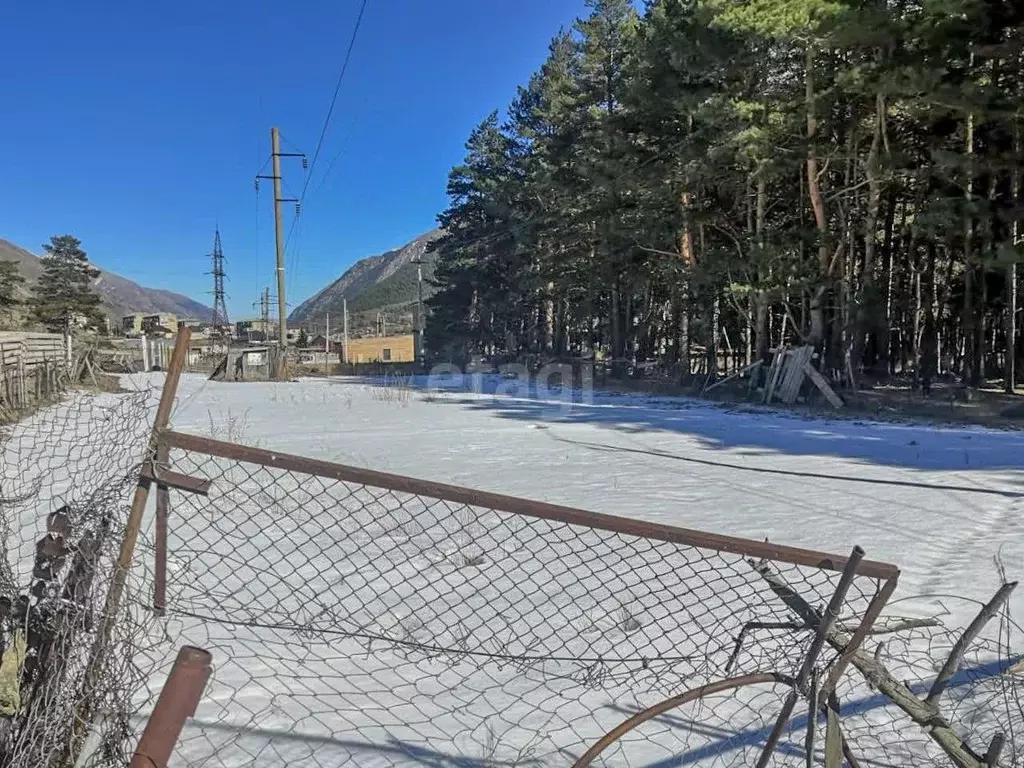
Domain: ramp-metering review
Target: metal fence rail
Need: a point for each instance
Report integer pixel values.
(374, 619)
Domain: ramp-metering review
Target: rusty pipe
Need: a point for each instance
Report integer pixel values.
(177, 702)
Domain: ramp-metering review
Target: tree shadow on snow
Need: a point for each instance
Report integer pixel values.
(724, 741)
(296, 748)
(745, 431)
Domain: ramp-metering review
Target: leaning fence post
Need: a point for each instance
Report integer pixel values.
(131, 536)
(177, 703)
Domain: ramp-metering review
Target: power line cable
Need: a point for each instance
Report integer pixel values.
(323, 132)
(334, 96)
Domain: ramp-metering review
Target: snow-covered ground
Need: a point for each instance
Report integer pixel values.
(942, 504)
(938, 502)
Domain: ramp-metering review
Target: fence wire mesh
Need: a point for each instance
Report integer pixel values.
(66, 478)
(356, 624)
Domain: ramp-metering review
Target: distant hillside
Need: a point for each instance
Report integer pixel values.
(120, 296)
(401, 289)
(387, 280)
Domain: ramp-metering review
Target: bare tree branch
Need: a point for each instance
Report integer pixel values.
(923, 714)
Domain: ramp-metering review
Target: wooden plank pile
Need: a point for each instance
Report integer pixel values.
(787, 373)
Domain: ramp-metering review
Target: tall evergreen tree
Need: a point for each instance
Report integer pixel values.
(730, 176)
(64, 297)
(10, 281)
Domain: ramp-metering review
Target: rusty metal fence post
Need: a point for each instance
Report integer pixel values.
(177, 702)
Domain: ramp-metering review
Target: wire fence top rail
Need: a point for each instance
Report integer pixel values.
(748, 548)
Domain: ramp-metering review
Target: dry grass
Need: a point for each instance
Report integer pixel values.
(396, 389)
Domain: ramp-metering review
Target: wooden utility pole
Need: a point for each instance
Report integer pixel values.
(327, 335)
(344, 332)
(420, 325)
(282, 318)
(282, 314)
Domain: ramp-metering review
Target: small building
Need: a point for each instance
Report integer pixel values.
(251, 330)
(160, 324)
(251, 363)
(200, 329)
(131, 325)
(382, 349)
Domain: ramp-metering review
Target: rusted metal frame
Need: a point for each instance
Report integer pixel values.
(165, 478)
(159, 472)
(178, 701)
(875, 608)
(676, 701)
(630, 527)
(824, 625)
(163, 494)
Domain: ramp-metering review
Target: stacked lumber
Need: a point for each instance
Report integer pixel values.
(787, 373)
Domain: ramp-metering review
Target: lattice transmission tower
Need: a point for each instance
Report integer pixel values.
(220, 310)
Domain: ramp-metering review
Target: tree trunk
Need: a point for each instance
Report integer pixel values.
(686, 256)
(618, 337)
(929, 336)
(867, 300)
(819, 293)
(971, 373)
(761, 330)
(1010, 375)
(879, 359)
(915, 337)
(885, 344)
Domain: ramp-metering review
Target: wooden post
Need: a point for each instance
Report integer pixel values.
(163, 417)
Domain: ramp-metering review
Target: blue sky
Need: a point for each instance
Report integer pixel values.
(138, 127)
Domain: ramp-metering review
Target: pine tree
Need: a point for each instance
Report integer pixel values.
(740, 175)
(64, 296)
(10, 281)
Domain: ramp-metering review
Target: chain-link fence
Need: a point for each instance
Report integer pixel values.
(360, 618)
(365, 619)
(68, 671)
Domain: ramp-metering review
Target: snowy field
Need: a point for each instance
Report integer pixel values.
(942, 504)
(939, 503)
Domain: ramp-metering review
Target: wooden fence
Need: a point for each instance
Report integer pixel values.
(34, 367)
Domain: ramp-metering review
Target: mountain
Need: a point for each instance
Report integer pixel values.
(120, 296)
(386, 281)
